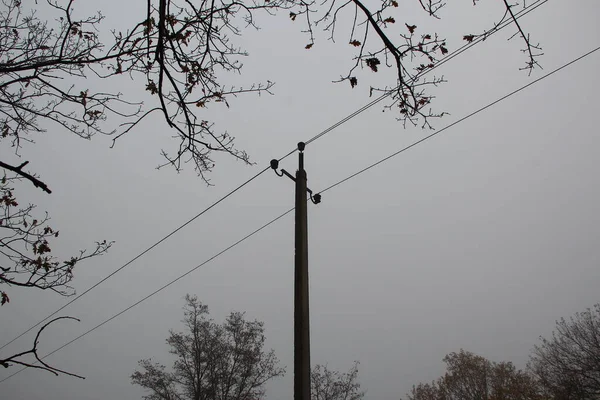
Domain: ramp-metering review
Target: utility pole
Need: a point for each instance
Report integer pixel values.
(301, 300)
(301, 310)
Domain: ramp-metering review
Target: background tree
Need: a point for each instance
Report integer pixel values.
(472, 377)
(333, 385)
(568, 364)
(212, 361)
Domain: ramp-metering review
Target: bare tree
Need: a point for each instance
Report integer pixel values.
(472, 377)
(568, 364)
(333, 385)
(182, 52)
(212, 361)
(36, 57)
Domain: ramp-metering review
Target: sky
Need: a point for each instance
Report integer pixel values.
(478, 238)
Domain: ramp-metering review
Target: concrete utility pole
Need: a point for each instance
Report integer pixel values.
(301, 302)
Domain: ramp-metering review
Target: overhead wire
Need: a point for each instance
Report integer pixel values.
(523, 12)
(459, 120)
(158, 290)
(139, 255)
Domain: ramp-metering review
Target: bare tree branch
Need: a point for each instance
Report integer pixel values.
(26, 258)
(533, 51)
(19, 170)
(16, 359)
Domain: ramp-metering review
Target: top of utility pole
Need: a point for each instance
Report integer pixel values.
(315, 198)
(301, 147)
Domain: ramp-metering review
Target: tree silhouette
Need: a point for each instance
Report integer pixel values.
(568, 364)
(180, 51)
(472, 377)
(224, 361)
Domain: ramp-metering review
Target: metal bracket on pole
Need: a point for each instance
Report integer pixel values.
(315, 198)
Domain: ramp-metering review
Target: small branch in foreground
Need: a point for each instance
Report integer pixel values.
(528, 45)
(7, 362)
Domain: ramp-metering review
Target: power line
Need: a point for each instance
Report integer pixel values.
(189, 221)
(159, 289)
(460, 120)
(324, 190)
(462, 49)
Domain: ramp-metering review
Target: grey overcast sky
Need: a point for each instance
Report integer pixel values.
(479, 238)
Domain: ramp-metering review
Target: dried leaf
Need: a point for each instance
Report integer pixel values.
(373, 63)
(390, 20)
(5, 298)
(411, 28)
(355, 43)
(353, 81)
(394, 3)
(151, 87)
(308, 46)
(469, 38)
(293, 16)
